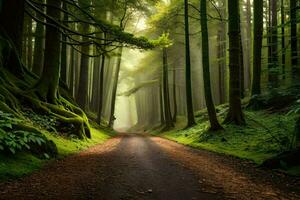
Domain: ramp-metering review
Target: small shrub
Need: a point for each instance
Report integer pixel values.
(16, 140)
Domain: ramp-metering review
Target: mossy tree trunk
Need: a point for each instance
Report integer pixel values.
(47, 86)
(257, 46)
(214, 124)
(189, 96)
(235, 114)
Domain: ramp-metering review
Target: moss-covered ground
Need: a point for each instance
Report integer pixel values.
(15, 166)
(265, 135)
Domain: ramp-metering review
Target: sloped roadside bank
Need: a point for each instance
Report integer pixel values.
(21, 164)
(265, 136)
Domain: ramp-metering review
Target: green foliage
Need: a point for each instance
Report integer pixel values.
(13, 140)
(24, 163)
(43, 121)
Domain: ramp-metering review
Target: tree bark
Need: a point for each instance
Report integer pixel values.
(174, 96)
(294, 44)
(115, 88)
(168, 118)
(100, 89)
(39, 45)
(283, 58)
(235, 114)
(214, 124)
(257, 46)
(63, 61)
(47, 86)
(189, 96)
(11, 20)
(273, 66)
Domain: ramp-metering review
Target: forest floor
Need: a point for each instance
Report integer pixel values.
(144, 167)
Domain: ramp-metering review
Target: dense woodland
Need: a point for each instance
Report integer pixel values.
(146, 65)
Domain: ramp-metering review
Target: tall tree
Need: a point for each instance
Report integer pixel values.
(283, 58)
(82, 95)
(206, 71)
(47, 88)
(39, 44)
(294, 44)
(273, 65)
(174, 96)
(100, 88)
(115, 87)
(257, 46)
(222, 53)
(189, 95)
(235, 113)
(166, 97)
(14, 26)
(63, 60)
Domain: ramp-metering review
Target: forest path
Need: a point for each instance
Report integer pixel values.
(131, 167)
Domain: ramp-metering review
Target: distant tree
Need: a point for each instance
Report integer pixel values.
(235, 114)
(82, 94)
(257, 46)
(273, 45)
(283, 54)
(39, 45)
(206, 71)
(294, 44)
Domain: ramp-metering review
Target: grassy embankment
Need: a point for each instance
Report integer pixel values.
(264, 136)
(15, 166)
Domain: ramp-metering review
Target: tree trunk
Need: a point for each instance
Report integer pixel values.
(63, 74)
(168, 117)
(257, 46)
(82, 94)
(273, 66)
(283, 58)
(100, 89)
(14, 11)
(47, 86)
(161, 104)
(235, 113)
(115, 88)
(39, 46)
(189, 96)
(214, 124)
(174, 96)
(242, 70)
(13, 30)
(294, 44)
(29, 44)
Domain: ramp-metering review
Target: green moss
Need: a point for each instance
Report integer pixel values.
(264, 136)
(294, 170)
(14, 166)
(18, 165)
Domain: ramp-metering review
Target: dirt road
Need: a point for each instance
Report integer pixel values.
(132, 167)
